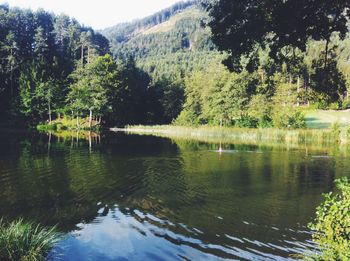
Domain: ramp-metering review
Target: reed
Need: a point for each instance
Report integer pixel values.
(225, 134)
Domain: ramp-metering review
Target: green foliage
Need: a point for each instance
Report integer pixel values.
(346, 104)
(169, 46)
(281, 24)
(39, 50)
(217, 97)
(20, 241)
(69, 123)
(187, 118)
(259, 107)
(328, 80)
(168, 67)
(332, 224)
(336, 129)
(246, 122)
(288, 118)
(91, 84)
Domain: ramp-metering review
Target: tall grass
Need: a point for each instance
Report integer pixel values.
(20, 241)
(225, 134)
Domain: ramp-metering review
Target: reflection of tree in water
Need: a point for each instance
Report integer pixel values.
(178, 187)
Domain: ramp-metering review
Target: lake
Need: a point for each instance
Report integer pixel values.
(133, 197)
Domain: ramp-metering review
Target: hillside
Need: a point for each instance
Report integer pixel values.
(169, 44)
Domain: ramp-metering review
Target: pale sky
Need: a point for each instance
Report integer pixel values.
(98, 13)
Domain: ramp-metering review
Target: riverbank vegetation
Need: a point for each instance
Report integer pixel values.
(332, 224)
(21, 241)
(335, 135)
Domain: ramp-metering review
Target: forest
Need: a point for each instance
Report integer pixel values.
(184, 65)
(53, 68)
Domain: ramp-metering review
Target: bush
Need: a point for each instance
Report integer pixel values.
(246, 122)
(265, 122)
(21, 241)
(334, 106)
(186, 118)
(288, 118)
(346, 105)
(332, 224)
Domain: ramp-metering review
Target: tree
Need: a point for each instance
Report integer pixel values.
(240, 26)
(47, 93)
(172, 98)
(93, 88)
(78, 96)
(11, 48)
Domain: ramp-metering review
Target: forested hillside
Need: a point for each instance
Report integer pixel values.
(176, 47)
(170, 44)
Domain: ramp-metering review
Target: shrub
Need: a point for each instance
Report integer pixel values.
(332, 224)
(288, 118)
(334, 106)
(265, 122)
(246, 122)
(346, 105)
(321, 105)
(186, 118)
(21, 241)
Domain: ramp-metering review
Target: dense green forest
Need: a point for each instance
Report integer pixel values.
(38, 52)
(264, 85)
(193, 63)
(52, 67)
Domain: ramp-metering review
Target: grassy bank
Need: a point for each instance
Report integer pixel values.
(20, 241)
(337, 135)
(68, 123)
(323, 119)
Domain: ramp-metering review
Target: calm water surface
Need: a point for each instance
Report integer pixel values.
(126, 197)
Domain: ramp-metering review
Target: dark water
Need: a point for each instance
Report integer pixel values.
(147, 198)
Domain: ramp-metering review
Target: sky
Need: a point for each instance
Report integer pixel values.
(97, 14)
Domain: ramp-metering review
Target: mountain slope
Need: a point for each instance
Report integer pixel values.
(169, 44)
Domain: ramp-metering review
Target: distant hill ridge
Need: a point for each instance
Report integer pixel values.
(124, 31)
(169, 44)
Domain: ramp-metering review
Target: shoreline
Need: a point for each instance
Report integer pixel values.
(326, 137)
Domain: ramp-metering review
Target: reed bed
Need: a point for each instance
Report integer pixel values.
(324, 137)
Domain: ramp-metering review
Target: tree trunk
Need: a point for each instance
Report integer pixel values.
(88, 55)
(11, 82)
(326, 56)
(50, 119)
(298, 90)
(11, 76)
(90, 119)
(82, 55)
(78, 121)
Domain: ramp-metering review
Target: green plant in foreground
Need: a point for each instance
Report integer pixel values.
(332, 224)
(20, 241)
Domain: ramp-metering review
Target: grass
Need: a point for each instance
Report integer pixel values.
(323, 119)
(324, 128)
(224, 134)
(20, 241)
